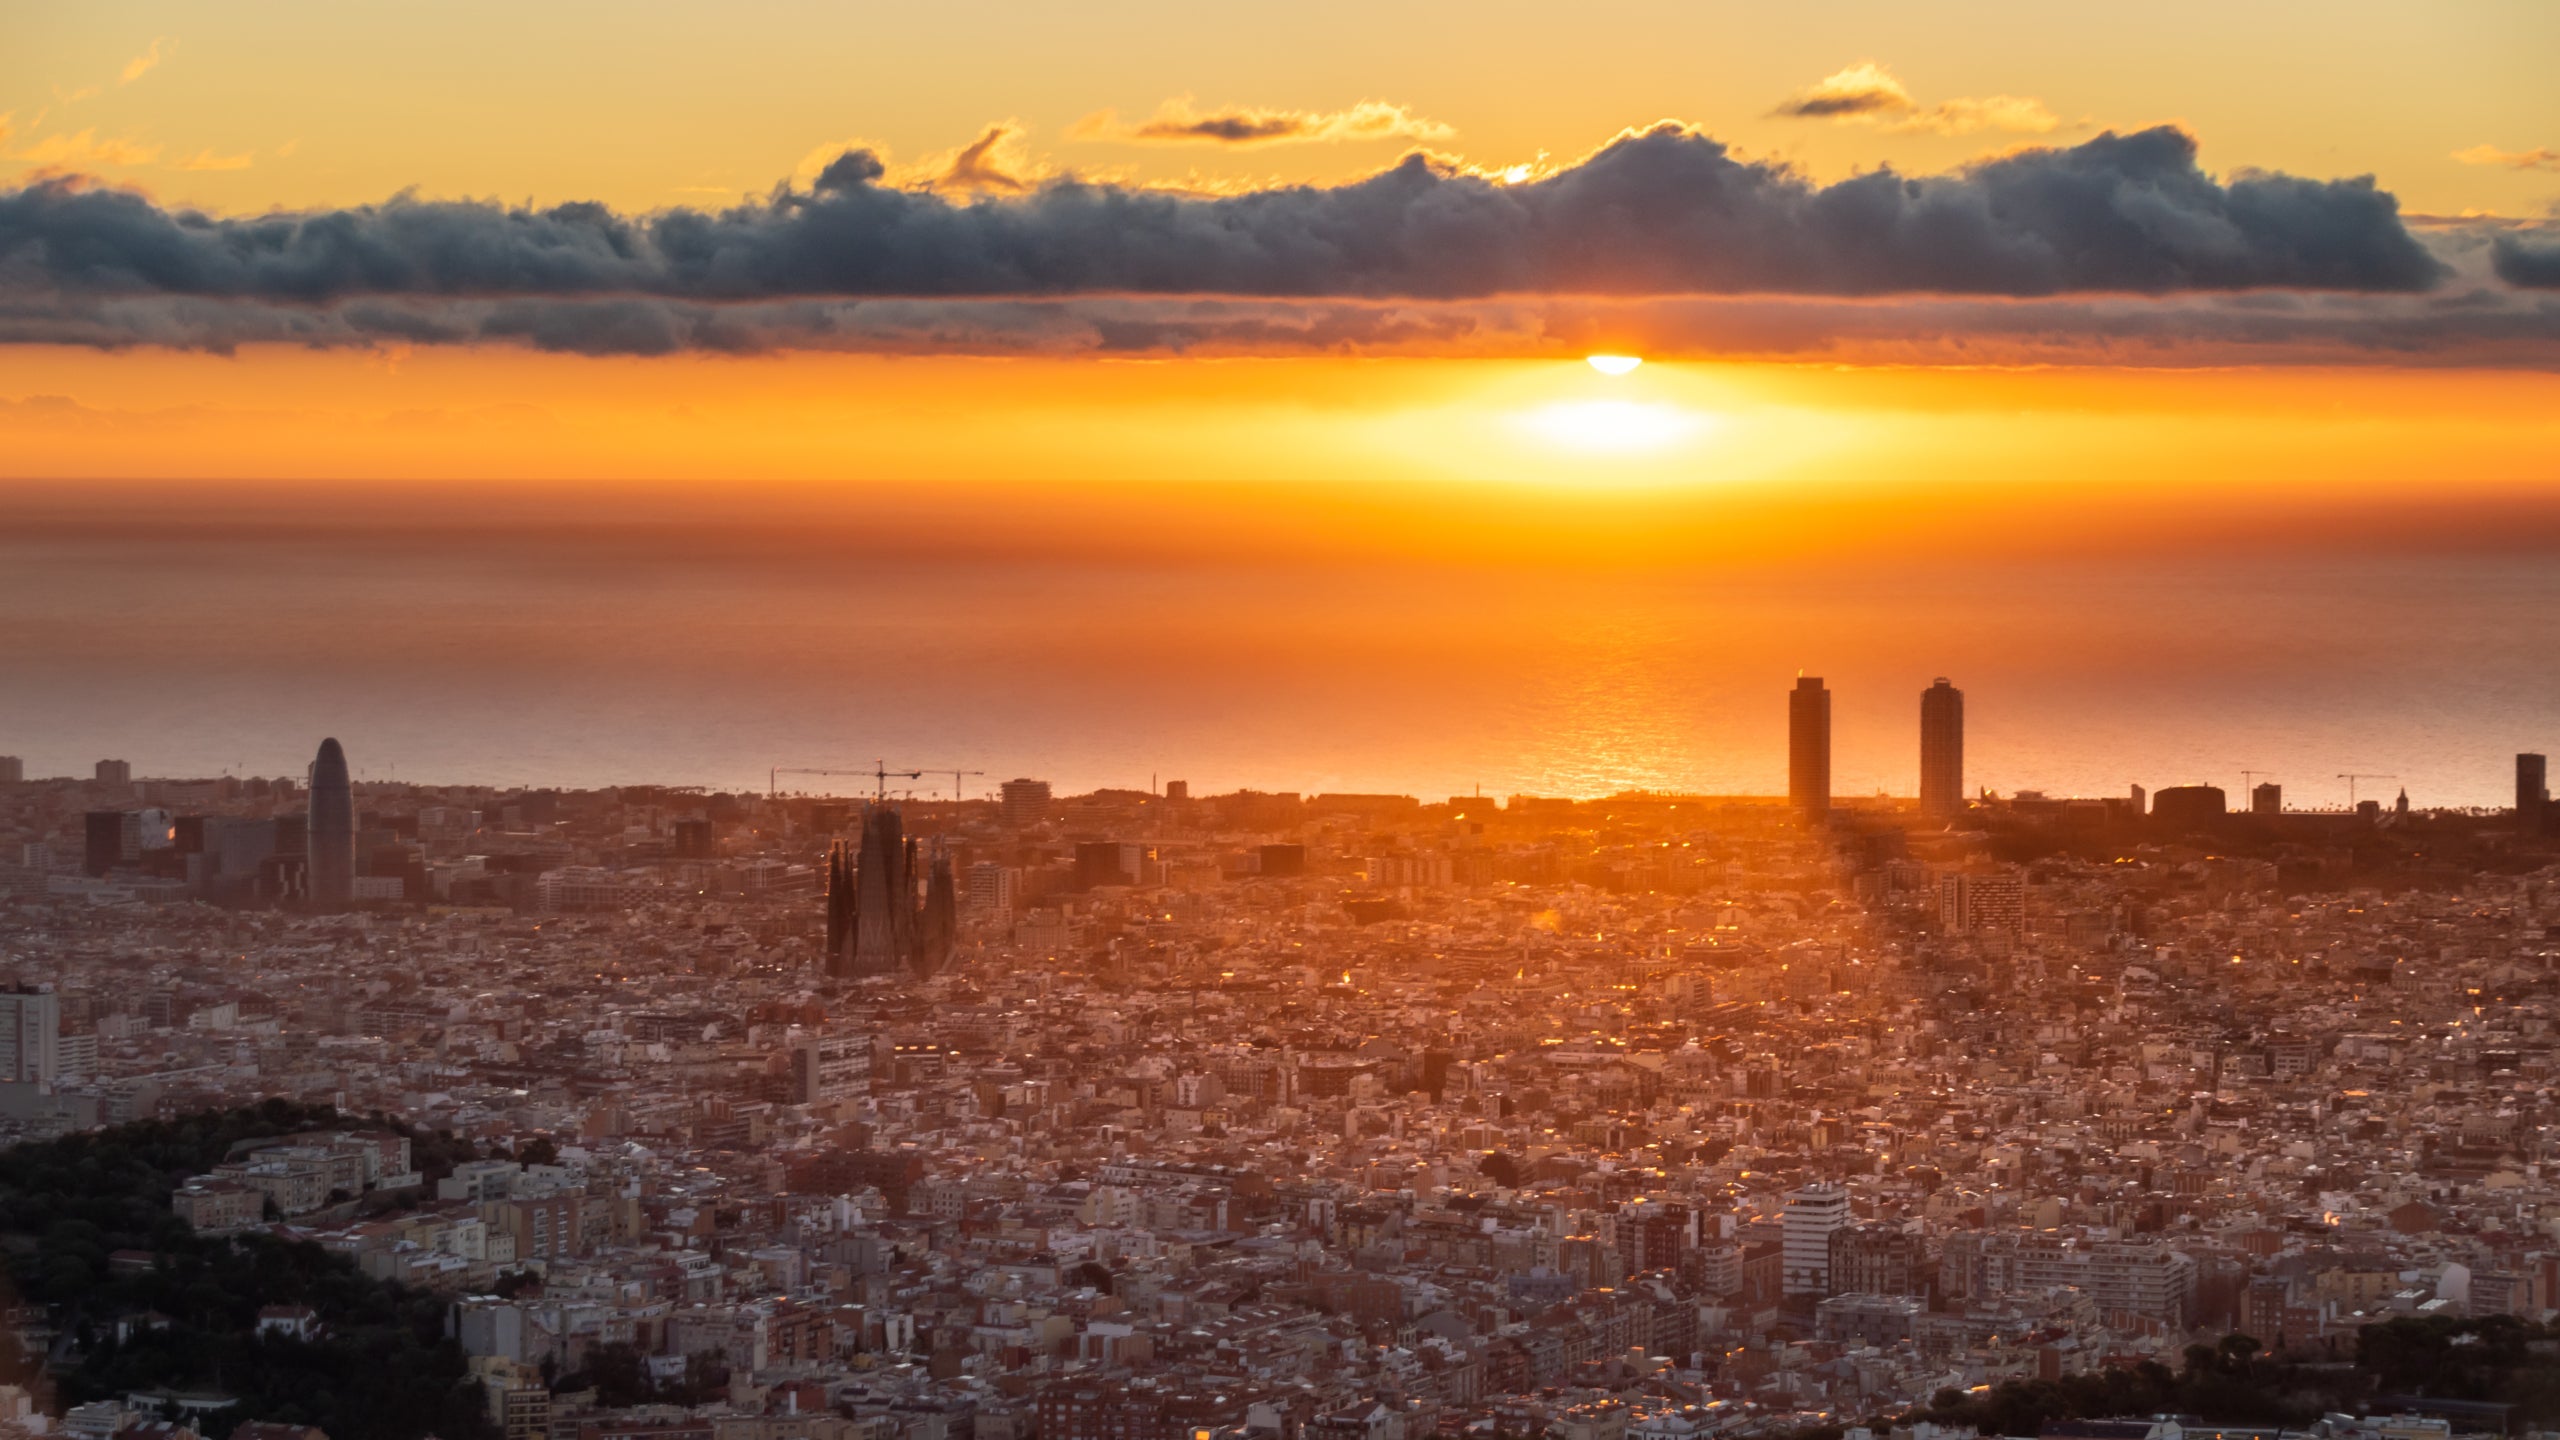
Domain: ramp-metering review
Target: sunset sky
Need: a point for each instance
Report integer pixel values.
(1106, 243)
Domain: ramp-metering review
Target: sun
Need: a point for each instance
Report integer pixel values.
(1614, 364)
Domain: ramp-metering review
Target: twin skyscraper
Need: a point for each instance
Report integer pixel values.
(1809, 748)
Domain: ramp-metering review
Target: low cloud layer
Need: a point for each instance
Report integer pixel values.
(2528, 261)
(2462, 326)
(1666, 211)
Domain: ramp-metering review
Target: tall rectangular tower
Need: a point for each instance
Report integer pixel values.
(1941, 750)
(30, 1035)
(1809, 747)
(1813, 1213)
(2532, 790)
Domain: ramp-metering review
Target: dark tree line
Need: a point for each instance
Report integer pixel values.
(381, 1367)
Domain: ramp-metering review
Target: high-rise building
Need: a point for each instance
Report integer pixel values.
(1809, 747)
(1813, 1214)
(1025, 802)
(330, 838)
(2533, 791)
(2266, 798)
(1941, 750)
(830, 1067)
(30, 1035)
(992, 888)
(1982, 904)
(1177, 789)
(102, 842)
(115, 772)
(12, 770)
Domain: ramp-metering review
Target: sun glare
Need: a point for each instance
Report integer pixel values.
(1614, 364)
(1615, 426)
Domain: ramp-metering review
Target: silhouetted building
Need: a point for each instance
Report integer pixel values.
(2186, 806)
(1283, 861)
(1025, 802)
(1941, 750)
(939, 923)
(115, 772)
(884, 914)
(2267, 798)
(2533, 793)
(102, 842)
(1101, 862)
(330, 840)
(875, 926)
(839, 909)
(1809, 747)
(12, 770)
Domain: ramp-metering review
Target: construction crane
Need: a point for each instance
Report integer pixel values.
(2352, 778)
(879, 772)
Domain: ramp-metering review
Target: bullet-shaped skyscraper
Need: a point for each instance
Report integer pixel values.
(1941, 750)
(1809, 747)
(331, 834)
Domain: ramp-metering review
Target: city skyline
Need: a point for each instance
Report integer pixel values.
(1061, 721)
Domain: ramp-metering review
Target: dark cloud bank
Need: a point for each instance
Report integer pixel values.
(853, 263)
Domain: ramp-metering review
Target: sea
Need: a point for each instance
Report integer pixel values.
(459, 654)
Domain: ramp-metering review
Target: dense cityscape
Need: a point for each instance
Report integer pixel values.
(657, 1114)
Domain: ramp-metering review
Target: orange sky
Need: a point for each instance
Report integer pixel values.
(1981, 422)
(1440, 456)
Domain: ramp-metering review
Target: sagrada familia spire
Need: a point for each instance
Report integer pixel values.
(875, 926)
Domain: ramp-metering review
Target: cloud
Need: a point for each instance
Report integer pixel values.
(2537, 159)
(1662, 211)
(1176, 122)
(208, 160)
(2013, 114)
(2530, 262)
(140, 65)
(993, 162)
(1865, 88)
(84, 149)
(1867, 93)
(2509, 328)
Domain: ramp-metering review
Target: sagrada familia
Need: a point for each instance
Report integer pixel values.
(875, 924)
